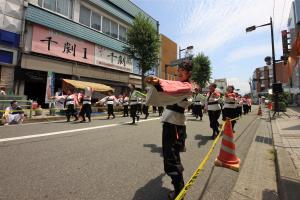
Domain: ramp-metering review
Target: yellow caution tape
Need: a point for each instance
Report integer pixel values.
(199, 169)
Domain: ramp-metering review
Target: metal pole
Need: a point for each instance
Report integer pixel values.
(179, 52)
(276, 108)
(273, 52)
(166, 67)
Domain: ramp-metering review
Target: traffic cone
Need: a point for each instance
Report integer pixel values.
(259, 111)
(227, 157)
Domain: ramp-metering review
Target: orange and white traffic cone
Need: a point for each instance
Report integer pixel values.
(227, 157)
(259, 111)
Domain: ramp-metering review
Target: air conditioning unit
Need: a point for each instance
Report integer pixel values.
(8, 56)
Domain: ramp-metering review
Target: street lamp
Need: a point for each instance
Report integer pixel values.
(187, 48)
(252, 28)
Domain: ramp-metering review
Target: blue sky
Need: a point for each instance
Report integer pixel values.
(217, 28)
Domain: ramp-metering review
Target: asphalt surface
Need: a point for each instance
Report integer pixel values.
(110, 159)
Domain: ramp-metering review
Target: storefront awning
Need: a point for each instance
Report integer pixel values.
(82, 84)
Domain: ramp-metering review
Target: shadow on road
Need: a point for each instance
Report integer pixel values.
(203, 139)
(269, 195)
(152, 190)
(297, 127)
(154, 148)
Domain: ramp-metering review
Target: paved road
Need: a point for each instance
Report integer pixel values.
(109, 159)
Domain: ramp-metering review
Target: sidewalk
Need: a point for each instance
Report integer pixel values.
(257, 178)
(286, 133)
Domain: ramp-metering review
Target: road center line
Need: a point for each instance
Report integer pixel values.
(68, 131)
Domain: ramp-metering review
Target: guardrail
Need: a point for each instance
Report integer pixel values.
(26, 106)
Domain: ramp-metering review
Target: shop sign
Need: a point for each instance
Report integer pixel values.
(51, 42)
(112, 59)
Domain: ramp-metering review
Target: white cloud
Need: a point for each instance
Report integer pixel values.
(243, 85)
(211, 24)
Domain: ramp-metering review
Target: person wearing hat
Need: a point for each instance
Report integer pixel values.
(213, 108)
(71, 102)
(230, 104)
(198, 106)
(174, 128)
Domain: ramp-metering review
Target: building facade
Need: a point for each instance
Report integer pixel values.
(263, 78)
(168, 53)
(11, 24)
(221, 84)
(76, 39)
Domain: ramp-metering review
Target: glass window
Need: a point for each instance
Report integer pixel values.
(122, 33)
(40, 3)
(96, 21)
(63, 7)
(106, 26)
(85, 15)
(50, 4)
(114, 29)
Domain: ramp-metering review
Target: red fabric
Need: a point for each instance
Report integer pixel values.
(175, 87)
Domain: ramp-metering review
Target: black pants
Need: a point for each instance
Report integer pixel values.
(249, 108)
(133, 112)
(173, 138)
(229, 113)
(146, 111)
(125, 111)
(86, 109)
(213, 120)
(71, 111)
(139, 108)
(110, 110)
(160, 110)
(246, 109)
(239, 111)
(198, 111)
(154, 109)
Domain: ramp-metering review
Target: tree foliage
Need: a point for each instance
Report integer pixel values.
(201, 73)
(144, 44)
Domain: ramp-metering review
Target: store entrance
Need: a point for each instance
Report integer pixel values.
(35, 91)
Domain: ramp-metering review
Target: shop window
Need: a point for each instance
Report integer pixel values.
(63, 7)
(114, 29)
(85, 16)
(122, 33)
(106, 25)
(96, 21)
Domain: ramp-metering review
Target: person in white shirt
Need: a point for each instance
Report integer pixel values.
(13, 114)
(125, 103)
(174, 129)
(71, 102)
(110, 102)
(133, 102)
(214, 109)
(86, 102)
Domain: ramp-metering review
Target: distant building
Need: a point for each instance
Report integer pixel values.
(221, 84)
(168, 53)
(72, 39)
(262, 78)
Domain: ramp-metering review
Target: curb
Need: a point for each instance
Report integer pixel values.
(288, 182)
(58, 118)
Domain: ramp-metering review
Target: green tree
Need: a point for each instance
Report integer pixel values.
(201, 69)
(144, 44)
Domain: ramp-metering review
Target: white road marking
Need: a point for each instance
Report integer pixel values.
(68, 131)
